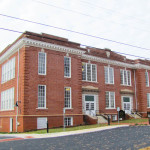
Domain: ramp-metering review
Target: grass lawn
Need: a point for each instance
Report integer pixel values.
(66, 129)
(54, 130)
(141, 120)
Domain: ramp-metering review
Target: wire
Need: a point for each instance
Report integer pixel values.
(81, 44)
(76, 32)
(113, 11)
(73, 11)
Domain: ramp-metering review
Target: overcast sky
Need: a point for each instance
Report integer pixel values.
(125, 21)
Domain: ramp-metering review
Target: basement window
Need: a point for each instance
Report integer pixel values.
(114, 117)
(68, 121)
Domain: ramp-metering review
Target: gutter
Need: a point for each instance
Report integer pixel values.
(17, 90)
(135, 91)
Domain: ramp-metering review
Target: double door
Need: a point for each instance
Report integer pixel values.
(90, 107)
(127, 104)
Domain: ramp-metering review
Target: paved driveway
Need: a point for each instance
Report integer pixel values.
(114, 139)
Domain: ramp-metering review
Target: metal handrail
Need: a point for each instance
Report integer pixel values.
(102, 113)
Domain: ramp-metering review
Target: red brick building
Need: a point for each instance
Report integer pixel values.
(42, 74)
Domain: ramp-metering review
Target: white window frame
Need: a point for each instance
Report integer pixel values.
(67, 76)
(91, 72)
(147, 78)
(7, 99)
(125, 75)
(67, 123)
(39, 63)
(107, 75)
(114, 116)
(148, 100)
(8, 70)
(44, 107)
(109, 99)
(65, 98)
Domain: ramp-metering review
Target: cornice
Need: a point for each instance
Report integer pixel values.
(114, 62)
(45, 45)
(30, 42)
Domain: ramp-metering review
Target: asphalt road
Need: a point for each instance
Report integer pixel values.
(125, 138)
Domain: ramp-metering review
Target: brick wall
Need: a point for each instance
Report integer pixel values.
(55, 82)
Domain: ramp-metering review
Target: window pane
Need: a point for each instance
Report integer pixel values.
(89, 72)
(68, 121)
(93, 72)
(42, 63)
(67, 97)
(67, 69)
(111, 75)
(87, 106)
(121, 76)
(107, 99)
(83, 71)
(147, 78)
(129, 77)
(148, 99)
(112, 99)
(7, 99)
(89, 98)
(41, 96)
(8, 70)
(125, 77)
(92, 106)
(106, 74)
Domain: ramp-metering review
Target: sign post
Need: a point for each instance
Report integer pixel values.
(118, 109)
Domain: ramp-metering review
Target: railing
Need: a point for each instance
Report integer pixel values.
(102, 113)
(135, 111)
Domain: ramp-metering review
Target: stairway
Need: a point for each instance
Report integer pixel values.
(134, 115)
(101, 119)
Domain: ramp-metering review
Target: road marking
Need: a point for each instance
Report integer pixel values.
(11, 139)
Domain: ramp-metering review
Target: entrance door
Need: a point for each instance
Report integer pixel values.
(90, 105)
(11, 124)
(127, 105)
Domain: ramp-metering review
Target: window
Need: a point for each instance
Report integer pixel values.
(109, 75)
(67, 97)
(8, 70)
(42, 63)
(147, 78)
(148, 100)
(125, 77)
(7, 99)
(110, 100)
(68, 121)
(67, 66)
(42, 96)
(89, 72)
(114, 117)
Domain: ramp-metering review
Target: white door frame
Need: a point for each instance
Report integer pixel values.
(90, 112)
(127, 111)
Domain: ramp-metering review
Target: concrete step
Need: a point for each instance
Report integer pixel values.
(134, 116)
(101, 119)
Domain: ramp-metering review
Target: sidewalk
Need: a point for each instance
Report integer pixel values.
(59, 134)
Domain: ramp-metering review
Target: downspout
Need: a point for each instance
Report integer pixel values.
(135, 90)
(17, 91)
